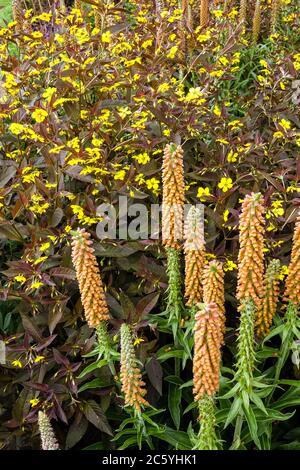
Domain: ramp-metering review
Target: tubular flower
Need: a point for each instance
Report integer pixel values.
(267, 309)
(204, 12)
(243, 11)
(251, 262)
(194, 250)
(275, 8)
(292, 284)
(173, 196)
(89, 279)
(213, 287)
(256, 22)
(207, 351)
(17, 14)
(131, 377)
(48, 439)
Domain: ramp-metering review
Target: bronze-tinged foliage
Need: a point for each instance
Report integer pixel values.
(292, 284)
(131, 377)
(208, 337)
(251, 253)
(173, 196)
(89, 279)
(213, 287)
(194, 251)
(267, 309)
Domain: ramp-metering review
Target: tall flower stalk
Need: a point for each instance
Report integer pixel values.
(92, 292)
(131, 377)
(172, 227)
(173, 196)
(17, 13)
(48, 438)
(251, 253)
(208, 338)
(256, 22)
(292, 284)
(89, 279)
(243, 11)
(275, 9)
(267, 309)
(194, 251)
(249, 293)
(213, 287)
(250, 283)
(204, 12)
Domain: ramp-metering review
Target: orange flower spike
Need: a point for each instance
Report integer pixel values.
(131, 377)
(89, 279)
(256, 22)
(251, 258)
(267, 310)
(204, 12)
(173, 196)
(213, 287)
(18, 15)
(292, 283)
(194, 250)
(207, 351)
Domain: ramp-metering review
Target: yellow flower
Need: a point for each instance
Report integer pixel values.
(137, 341)
(34, 402)
(142, 158)
(120, 175)
(17, 363)
(45, 17)
(36, 285)
(106, 37)
(217, 13)
(230, 266)
(48, 93)
(203, 193)
(285, 124)
(225, 184)
(278, 134)
(153, 184)
(216, 110)
(172, 52)
(225, 215)
(39, 115)
(232, 156)
(163, 88)
(20, 278)
(16, 128)
(39, 359)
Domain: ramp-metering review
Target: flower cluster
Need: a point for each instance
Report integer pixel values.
(89, 279)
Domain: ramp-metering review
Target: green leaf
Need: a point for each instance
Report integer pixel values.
(179, 440)
(96, 383)
(233, 412)
(91, 367)
(174, 403)
(252, 424)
